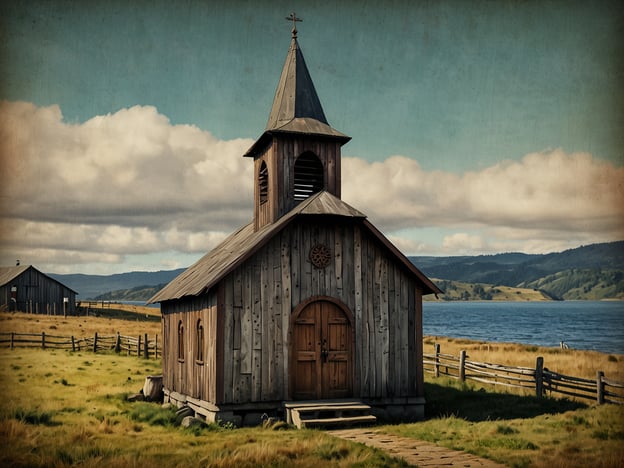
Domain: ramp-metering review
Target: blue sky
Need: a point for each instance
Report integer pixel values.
(482, 97)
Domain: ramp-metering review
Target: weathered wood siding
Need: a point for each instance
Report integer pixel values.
(280, 159)
(38, 293)
(261, 294)
(187, 374)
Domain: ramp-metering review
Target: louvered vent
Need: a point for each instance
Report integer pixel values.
(263, 182)
(308, 176)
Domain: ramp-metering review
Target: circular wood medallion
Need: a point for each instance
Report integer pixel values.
(320, 256)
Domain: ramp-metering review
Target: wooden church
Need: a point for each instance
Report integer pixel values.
(309, 301)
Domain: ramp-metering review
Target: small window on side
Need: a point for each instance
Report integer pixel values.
(199, 358)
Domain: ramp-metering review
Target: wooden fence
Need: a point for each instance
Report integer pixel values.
(140, 345)
(539, 379)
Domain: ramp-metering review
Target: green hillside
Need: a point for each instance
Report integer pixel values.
(461, 291)
(577, 284)
(592, 272)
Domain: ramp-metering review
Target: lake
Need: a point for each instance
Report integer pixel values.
(592, 325)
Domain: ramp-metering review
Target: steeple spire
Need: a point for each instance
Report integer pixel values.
(295, 96)
(296, 107)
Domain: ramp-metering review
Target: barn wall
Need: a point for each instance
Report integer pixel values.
(260, 295)
(190, 376)
(38, 293)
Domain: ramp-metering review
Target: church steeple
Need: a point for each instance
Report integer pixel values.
(295, 96)
(299, 152)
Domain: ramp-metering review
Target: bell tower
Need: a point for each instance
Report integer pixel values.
(298, 154)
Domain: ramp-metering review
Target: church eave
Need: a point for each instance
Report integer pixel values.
(297, 127)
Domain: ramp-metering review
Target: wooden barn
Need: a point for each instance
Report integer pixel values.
(309, 301)
(24, 288)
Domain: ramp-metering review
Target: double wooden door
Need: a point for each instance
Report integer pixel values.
(322, 347)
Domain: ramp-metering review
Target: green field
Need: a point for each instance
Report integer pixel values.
(69, 409)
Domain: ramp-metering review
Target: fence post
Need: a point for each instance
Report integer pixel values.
(139, 345)
(95, 343)
(146, 348)
(436, 366)
(462, 365)
(73, 344)
(12, 339)
(600, 387)
(539, 377)
(43, 340)
(118, 343)
(156, 346)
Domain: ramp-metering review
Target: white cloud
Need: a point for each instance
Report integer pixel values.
(463, 242)
(131, 184)
(551, 193)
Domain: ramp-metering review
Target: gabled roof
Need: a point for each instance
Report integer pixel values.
(241, 245)
(8, 274)
(296, 106)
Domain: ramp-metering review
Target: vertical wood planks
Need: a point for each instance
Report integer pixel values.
(248, 317)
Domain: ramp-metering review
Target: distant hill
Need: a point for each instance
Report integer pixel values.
(138, 293)
(460, 291)
(93, 286)
(590, 272)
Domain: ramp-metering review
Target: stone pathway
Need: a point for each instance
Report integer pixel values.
(413, 451)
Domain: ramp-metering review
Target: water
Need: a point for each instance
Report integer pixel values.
(590, 325)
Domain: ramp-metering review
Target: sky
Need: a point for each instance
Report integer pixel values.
(477, 127)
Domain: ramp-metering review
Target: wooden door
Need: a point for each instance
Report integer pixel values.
(322, 353)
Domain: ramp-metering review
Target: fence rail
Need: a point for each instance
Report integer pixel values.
(540, 379)
(141, 345)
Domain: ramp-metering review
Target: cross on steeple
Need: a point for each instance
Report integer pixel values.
(294, 19)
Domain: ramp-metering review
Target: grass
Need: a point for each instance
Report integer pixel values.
(61, 408)
(136, 321)
(519, 431)
(573, 362)
(88, 422)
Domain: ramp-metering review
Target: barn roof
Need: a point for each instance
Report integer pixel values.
(8, 274)
(241, 245)
(296, 106)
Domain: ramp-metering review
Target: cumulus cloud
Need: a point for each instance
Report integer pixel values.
(549, 191)
(131, 184)
(128, 182)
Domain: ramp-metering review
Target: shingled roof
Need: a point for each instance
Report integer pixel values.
(241, 245)
(296, 106)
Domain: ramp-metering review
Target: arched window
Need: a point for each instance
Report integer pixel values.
(200, 343)
(308, 176)
(180, 341)
(263, 182)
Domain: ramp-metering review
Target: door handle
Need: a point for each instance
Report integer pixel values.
(324, 351)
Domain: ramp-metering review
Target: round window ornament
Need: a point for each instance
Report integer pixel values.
(320, 256)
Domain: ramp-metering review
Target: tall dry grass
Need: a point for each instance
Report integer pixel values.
(573, 362)
(81, 326)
